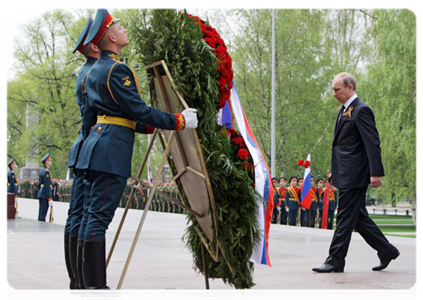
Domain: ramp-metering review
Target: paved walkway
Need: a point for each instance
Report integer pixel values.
(35, 263)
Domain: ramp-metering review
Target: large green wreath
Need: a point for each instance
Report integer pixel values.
(172, 36)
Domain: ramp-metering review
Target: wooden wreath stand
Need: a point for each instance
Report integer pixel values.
(187, 157)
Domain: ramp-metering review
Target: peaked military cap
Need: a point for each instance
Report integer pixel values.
(282, 178)
(11, 162)
(101, 24)
(80, 46)
(320, 179)
(293, 177)
(45, 158)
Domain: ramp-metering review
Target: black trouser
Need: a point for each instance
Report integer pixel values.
(292, 216)
(352, 214)
(284, 214)
(43, 209)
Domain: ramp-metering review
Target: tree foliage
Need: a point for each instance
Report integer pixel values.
(312, 46)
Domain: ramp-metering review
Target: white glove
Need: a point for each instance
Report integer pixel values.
(279, 208)
(50, 203)
(190, 115)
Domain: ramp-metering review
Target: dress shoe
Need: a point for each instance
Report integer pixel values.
(102, 293)
(385, 263)
(326, 268)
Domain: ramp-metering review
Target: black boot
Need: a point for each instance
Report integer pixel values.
(72, 284)
(94, 264)
(79, 257)
(73, 246)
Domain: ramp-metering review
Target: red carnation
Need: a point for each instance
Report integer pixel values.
(243, 154)
(239, 142)
(306, 164)
(233, 133)
(300, 162)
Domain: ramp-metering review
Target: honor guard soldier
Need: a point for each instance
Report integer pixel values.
(45, 188)
(312, 211)
(276, 201)
(282, 198)
(333, 201)
(293, 200)
(302, 211)
(113, 112)
(74, 242)
(12, 182)
(320, 193)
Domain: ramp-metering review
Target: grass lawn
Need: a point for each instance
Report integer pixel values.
(387, 223)
(375, 217)
(413, 236)
(397, 229)
(382, 221)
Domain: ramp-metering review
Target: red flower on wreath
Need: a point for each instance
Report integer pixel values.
(224, 65)
(239, 142)
(243, 154)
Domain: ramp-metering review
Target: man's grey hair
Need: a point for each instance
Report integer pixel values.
(347, 79)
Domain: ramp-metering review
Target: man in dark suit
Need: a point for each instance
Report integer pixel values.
(356, 162)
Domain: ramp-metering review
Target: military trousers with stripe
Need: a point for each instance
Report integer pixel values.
(103, 196)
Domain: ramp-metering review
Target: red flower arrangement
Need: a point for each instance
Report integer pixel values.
(304, 163)
(224, 67)
(242, 151)
(226, 75)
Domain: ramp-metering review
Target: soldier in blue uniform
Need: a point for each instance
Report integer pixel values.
(333, 203)
(73, 243)
(113, 111)
(282, 197)
(45, 188)
(312, 211)
(320, 194)
(276, 201)
(302, 211)
(12, 182)
(293, 200)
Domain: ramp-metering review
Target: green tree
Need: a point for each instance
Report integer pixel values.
(389, 87)
(45, 89)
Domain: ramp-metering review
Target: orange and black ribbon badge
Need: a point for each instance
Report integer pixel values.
(348, 113)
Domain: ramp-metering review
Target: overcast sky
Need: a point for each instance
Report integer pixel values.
(14, 21)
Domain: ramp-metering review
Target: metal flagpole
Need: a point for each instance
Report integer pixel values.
(273, 137)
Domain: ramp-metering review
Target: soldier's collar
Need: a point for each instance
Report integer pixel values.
(110, 54)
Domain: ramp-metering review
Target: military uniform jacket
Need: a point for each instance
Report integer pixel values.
(282, 197)
(293, 197)
(73, 154)
(12, 183)
(111, 89)
(333, 199)
(315, 198)
(45, 187)
(320, 198)
(356, 153)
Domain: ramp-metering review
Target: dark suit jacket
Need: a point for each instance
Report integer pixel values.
(356, 153)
